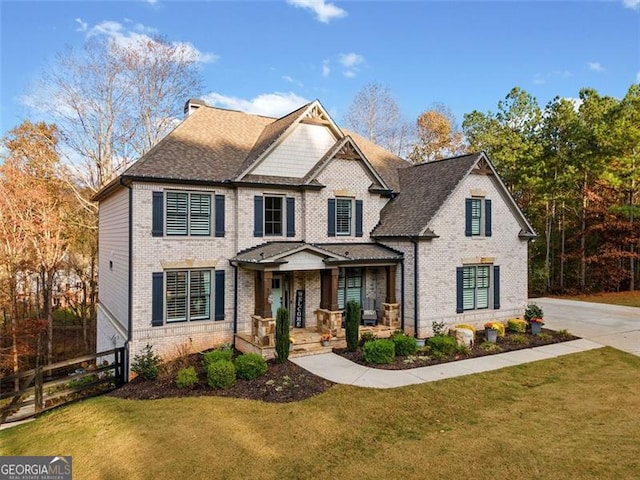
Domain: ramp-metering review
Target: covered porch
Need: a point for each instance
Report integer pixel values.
(314, 282)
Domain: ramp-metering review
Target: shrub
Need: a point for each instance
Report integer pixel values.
(438, 328)
(215, 356)
(283, 341)
(146, 363)
(532, 311)
(545, 337)
(352, 325)
(379, 351)
(404, 344)
(564, 334)
(367, 337)
(221, 374)
(467, 326)
(490, 347)
(517, 325)
(519, 339)
(463, 350)
(442, 345)
(496, 326)
(186, 377)
(250, 366)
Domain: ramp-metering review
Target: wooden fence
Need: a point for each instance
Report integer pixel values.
(26, 394)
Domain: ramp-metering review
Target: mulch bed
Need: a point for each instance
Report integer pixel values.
(283, 382)
(422, 359)
(287, 382)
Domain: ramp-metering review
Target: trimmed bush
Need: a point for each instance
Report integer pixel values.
(352, 325)
(250, 366)
(442, 345)
(404, 345)
(367, 337)
(186, 377)
(215, 356)
(517, 325)
(381, 351)
(221, 374)
(146, 363)
(282, 335)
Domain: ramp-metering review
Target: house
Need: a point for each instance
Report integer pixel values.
(233, 215)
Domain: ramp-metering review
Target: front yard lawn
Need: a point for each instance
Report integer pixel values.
(570, 417)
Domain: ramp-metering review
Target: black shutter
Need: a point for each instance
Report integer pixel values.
(467, 216)
(257, 216)
(291, 217)
(496, 287)
(459, 289)
(487, 218)
(157, 299)
(219, 215)
(358, 218)
(331, 217)
(157, 225)
(219, 300)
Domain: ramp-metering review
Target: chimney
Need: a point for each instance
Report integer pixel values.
(192, 105)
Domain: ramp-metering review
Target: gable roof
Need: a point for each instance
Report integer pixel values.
(423, 191)
(215, 145)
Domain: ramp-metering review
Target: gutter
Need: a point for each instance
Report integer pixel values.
(416, 290)
(235, 302)
(130, 281)
(402, 293)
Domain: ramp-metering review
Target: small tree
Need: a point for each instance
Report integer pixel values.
(352, 324)
(282, 335)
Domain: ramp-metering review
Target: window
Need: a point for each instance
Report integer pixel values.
(188, 295)
(343, 216)
(188, 214)
(349, 286)
(477, 217)
(475, 287)
(273, 216)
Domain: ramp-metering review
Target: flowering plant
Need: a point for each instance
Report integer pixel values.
(325, 337)
(537, 320)
(491, 326)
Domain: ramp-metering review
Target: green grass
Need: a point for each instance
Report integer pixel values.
(627, 299)
(570, 417)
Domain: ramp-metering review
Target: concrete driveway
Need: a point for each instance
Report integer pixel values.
(611, 325)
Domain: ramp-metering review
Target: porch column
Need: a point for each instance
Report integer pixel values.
(262, 293)
(333, 293)
(329, 288)
(391, 284)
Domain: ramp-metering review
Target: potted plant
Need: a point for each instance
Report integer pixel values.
(534, 315)
(491, 332)
(325, 339)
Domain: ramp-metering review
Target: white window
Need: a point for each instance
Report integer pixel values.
(188, 295)
(343, 216)
(476, 216)
(349, 286)
(188, 214)
(475, 287)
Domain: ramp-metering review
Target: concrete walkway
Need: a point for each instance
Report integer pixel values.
(597, 324)
(340, 370)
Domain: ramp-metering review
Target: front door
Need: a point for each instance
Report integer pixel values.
(280, 294)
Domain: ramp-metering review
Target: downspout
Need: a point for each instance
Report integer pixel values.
(416, 288)
(402, 293)
(235, 303)
(130, 280)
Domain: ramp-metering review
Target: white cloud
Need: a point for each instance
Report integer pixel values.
(274, 104)
(326, 70)
(128, 38)
(632, 4)
(325, 12)
(542, 78)
(82, 25)
(595, 66)
(351, 62)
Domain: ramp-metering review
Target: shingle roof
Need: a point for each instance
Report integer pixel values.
(216, 145)
(361, 251)
(423, 190)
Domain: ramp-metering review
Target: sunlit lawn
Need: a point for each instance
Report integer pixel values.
(571, 417)
(629, 299)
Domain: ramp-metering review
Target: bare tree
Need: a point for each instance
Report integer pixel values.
(115, 100)
(375, 114)
(438, 135)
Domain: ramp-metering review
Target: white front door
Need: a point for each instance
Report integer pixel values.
(276, 295)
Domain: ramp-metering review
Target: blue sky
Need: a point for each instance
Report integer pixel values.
(270, 57)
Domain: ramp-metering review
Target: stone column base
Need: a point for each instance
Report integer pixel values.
(263, 331)
(329, 321)
(391, 315)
